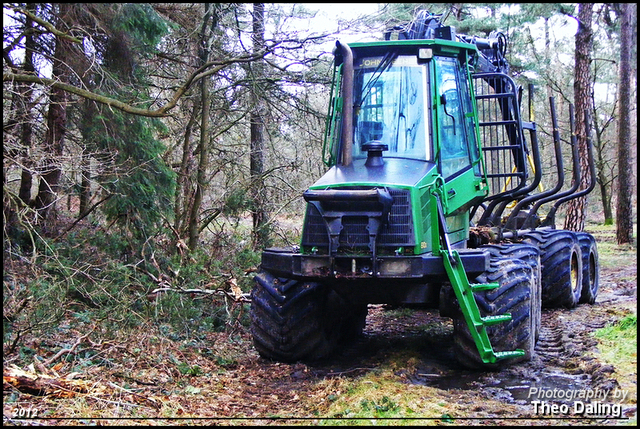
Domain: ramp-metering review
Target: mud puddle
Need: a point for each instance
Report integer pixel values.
(507, 386)
(561, 361)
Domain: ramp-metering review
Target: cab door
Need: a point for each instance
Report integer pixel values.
(457, 145)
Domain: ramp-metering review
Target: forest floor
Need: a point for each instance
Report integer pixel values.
(401, 372)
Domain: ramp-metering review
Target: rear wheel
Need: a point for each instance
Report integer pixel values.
(514, 296)
(561, 262)
(293, 320)
(590, 267)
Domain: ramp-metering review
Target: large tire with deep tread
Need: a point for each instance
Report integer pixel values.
(293, 320)
(531, 255)
(513, 296)
(561, 262)
(590, 267)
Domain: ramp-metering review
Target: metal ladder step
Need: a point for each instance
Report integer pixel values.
(475, 287)
(509, 354)
(494, 320)
(465, 293)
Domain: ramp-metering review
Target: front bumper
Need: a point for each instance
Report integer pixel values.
(290, 264)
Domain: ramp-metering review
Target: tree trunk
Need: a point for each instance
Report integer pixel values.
(606, 204)
(582, 92)
(85, 184)
(208, 25)
(183, 200)
(259, 213)
(24, 115)
(604, 181)
(89, 112)
(624, 215)
(56, 128)
(605, 175)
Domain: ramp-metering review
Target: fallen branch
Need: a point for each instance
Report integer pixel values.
(83, 215)
(72, 349)
(134, 380)
(332, 374)
(43, 384)
(236, 295)
(229, 289)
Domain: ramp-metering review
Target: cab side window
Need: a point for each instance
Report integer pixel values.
(454, 144)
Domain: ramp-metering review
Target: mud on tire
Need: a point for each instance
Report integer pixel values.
(590, 267)
(513, 296)
(561, 263)
(293, 320)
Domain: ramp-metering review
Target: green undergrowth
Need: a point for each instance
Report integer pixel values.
(97, 286)
(617, 342)
(618, 346)
(378, 395)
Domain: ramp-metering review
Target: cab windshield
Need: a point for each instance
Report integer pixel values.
(390, 99)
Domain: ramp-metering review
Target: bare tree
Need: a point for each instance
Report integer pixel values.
(582, 93)
(624, 220)
(56, 127)
(257, 155)
(206, 39)
(24, 113)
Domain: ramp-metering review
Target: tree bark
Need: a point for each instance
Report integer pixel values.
(85, 184)
(208, 25)
(56, 129)
(182, 203)
(624, 215)
(24, 114)
(582, 93)
(259, 213)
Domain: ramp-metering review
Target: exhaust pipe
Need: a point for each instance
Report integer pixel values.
(347, 102)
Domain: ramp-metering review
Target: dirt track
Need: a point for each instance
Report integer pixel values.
(564, 360)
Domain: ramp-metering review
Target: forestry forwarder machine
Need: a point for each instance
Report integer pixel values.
(426, 151)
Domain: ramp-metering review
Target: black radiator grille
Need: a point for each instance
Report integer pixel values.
(354, 235)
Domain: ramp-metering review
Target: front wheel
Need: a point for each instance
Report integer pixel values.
(293, 320)
(531, 255)
(514, 296)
